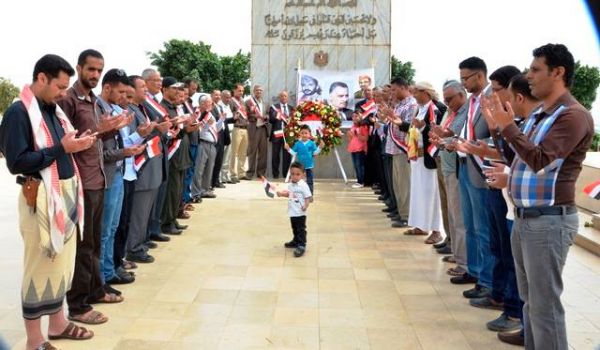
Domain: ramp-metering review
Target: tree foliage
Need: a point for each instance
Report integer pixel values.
(403, 69)
(183, 59)
(585, 84)
(8, 92)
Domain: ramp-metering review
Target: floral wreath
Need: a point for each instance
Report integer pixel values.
(329, 133)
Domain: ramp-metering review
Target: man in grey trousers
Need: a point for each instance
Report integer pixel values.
(548, 155)
(207, 151)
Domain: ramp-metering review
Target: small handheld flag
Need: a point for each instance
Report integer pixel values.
(269, 188)
(593, 190)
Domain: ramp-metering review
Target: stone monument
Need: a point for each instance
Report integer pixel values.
(333, 35)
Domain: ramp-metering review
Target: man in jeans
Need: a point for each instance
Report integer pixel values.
(548, 158)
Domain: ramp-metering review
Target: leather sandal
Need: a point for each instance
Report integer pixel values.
(415, 232)
(93, 317)
(189, 207)
(46, 346)
(183, 215)
(109, 298)
(73, 332)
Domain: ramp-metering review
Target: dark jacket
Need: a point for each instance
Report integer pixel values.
(278, 124)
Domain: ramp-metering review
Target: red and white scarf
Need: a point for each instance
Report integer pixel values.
(211, 127)
(56, 207)
(240, 108)
(156, 107)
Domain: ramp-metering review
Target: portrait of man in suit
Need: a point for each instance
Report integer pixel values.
(339, 98)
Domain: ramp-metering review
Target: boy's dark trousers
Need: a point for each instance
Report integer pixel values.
(309, 181)
(299, 229)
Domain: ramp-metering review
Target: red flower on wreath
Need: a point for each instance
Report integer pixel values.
(330, 132)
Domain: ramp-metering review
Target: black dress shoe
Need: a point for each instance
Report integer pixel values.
(444, 250)
(400, 223)
(171, 231)
(389, 210)
(396, 217)
(290, 244)
(442, 244)
(219, 185)
(476, 292)
(391, 214)
(378, 192)
(208, 195)
(180, 227)
(382, 198)
(141, 258)
(150, 245)
(160, 238)
(514, 338)
(464, 279)
(124, 279)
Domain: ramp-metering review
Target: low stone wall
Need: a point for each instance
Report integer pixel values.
(589, 173)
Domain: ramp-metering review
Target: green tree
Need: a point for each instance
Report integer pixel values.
(8, 92)
(585, 84)
(235, 69)
(403, 69)
(182, 58)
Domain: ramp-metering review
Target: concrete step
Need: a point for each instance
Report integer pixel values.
(588, 238)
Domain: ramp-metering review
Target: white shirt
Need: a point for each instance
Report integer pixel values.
(298, 194)
(129, 139)
(228, 114)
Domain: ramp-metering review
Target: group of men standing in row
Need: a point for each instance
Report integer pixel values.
(107, 176)
(495, 167)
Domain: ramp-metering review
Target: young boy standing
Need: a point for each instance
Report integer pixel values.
(299, 196)
(305, 149)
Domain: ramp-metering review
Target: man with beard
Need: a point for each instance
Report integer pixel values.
(78, 105)
(115, 151)
(49, 250)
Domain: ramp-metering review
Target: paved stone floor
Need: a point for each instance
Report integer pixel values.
(228, 283)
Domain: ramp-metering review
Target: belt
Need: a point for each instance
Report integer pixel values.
(241, 127)
(528, 213)
(206, 141)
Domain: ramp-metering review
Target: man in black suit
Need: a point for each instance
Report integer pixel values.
(223, 140)
(279, 113)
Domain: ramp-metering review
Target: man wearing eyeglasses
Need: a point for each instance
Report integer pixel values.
(455, 98)
(473, 188)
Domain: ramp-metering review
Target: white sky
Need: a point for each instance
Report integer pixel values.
(434, 35)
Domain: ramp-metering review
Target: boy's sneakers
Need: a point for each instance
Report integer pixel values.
(357, 185)
(299, 251)
(290, 244)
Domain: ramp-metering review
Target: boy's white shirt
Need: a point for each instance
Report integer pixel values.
(298, 193)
